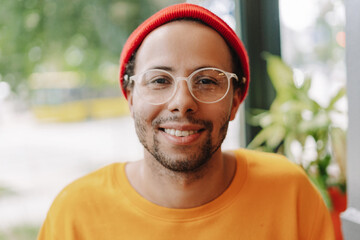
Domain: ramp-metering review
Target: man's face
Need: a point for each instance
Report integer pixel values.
(182, 134)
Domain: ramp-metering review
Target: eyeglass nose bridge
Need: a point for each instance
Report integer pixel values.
(177, 81)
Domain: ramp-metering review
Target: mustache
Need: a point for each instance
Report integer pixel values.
(188, 119)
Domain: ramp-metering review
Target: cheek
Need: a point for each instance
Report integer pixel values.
(219, 115)
(142, 120)
(144, 113)
(222, 109)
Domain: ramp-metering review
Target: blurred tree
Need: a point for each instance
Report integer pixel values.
(78, 35)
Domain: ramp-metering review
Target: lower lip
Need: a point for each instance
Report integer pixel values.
(181, 140)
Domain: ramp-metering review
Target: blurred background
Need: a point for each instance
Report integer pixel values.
(62, 114)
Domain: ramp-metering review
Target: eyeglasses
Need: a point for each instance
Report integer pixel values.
(206, 85)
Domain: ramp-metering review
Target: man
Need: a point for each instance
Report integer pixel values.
(177, 71)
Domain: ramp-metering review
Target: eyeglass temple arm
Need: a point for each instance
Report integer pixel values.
(233, 75)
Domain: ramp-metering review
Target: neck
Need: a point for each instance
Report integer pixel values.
(172, 189)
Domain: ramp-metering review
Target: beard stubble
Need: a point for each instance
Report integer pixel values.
(193, 162)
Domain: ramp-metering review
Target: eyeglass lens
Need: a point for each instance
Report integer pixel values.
(208, 85)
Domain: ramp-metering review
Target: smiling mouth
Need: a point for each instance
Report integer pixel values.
(179, 133)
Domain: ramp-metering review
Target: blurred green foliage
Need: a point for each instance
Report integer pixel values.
(21, 232)
(5, 191)
(295, 118)
(67, 35)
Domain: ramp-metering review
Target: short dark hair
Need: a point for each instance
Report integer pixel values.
(236, 63)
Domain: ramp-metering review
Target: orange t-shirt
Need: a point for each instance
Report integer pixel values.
(269, 198)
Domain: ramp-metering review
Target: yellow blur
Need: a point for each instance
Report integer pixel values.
(82, 110)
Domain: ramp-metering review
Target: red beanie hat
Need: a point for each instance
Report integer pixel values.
(184, 10)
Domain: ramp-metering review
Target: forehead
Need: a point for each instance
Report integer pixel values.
(183, 44)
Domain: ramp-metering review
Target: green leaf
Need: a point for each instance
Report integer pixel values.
(338, 143)
(289, 138)
(336, 98)
(277, 136)
(256, 119)
(321, 186)
(306, 85)
(319, 121)
(323, 163)
(260, 138)
(281, 75)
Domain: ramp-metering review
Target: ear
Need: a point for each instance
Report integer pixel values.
(129, 94)
(235, 104)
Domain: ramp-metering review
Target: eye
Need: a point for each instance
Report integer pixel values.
(160, 80)
(204, 80)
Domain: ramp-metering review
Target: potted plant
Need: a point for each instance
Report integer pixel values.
(305, 131)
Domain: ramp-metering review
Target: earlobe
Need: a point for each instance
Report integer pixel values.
(235, 104)
(130, 101)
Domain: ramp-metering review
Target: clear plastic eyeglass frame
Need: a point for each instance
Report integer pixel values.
(229, 76)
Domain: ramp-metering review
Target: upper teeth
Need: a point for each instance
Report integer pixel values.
(179, 133)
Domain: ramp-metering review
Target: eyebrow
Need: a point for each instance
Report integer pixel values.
(166, 68)
(170, 69)
(205, 66)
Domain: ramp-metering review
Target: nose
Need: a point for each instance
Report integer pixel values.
(182, 102)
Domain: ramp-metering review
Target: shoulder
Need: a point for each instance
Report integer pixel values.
(80, 201)
(86, 189)
(280, 175)
(93, 179)
(281, 182)
(277, 173)
(265, 163)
